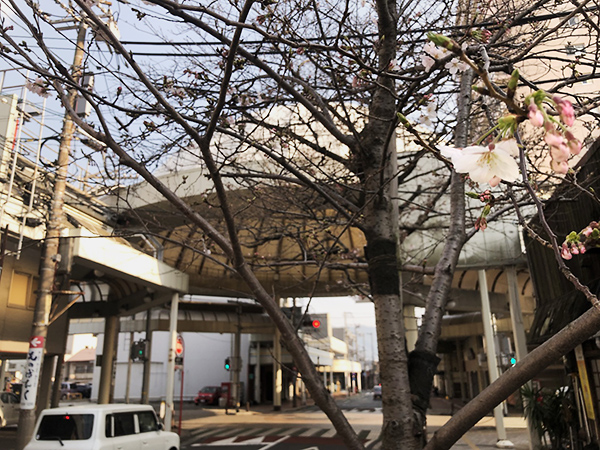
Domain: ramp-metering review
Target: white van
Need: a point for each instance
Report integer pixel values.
(101, 427)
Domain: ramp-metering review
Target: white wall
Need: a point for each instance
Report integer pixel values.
(204, 358)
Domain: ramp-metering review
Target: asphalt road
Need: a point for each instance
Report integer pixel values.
(303, 428)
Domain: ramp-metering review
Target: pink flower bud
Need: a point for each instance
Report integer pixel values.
(581, 248)
(535, 115)
(559, 153)
(481, 223)
(587, 231)
(565, 253)
(575, 249)
(559, 167)
(553, 138)
(565, 109)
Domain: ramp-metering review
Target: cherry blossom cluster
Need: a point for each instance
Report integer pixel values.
(429, 112)
(39, 87)
(578, 243)
(432, 51)
(561, 141)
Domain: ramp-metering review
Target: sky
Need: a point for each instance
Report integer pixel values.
(357, 316)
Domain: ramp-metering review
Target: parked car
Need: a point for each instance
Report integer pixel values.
(68, 392)
(85, 389)
(101, 427)
(377, 392)
(9, 409)
(208, 395)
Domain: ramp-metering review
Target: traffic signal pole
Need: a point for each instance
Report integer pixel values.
(50, 256)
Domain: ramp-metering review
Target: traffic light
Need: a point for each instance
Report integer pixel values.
(227, 364)
(138, 350)
(310, 324)
(294, 314)
(315, 326)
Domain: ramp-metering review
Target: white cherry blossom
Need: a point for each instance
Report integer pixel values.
(427, 62)
(39, 87)
(489, 164)
(455, 65)
(433, 50)
(431, 110)
(426, 120)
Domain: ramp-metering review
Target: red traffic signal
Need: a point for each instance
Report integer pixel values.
(316, 323)
(179, 346)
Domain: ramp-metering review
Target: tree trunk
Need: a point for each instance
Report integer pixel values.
(423, 360)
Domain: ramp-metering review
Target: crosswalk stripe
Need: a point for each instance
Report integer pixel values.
(253, 435)
(362, 434)
(260, 430)
(319, 432)
(299, 431)
(329, 433)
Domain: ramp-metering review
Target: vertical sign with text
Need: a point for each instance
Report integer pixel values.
(32, 372)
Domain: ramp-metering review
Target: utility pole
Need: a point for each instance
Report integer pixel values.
(49, 261)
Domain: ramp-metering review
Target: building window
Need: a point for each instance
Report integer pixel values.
(22, 290)
(578, 50)
(84, 368)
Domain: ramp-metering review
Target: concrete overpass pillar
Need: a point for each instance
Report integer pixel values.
(237, 360)
(277, 375)
(111, 334)
(461, 370)
(516, 319)
(145, 395)
(45, 384)
(3, 373)
(492, 360)
(257, 392)
(331, 383)
(171, 361)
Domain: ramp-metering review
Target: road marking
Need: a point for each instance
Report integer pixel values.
(319, 432)
(272, 444)
(470, 443)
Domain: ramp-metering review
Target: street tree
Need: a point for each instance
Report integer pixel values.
(313, 118)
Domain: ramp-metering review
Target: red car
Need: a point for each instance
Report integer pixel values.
(208, 395)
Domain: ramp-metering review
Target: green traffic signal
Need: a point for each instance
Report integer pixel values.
(227, 365)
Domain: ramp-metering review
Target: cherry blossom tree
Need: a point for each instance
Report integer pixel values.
(303, 106)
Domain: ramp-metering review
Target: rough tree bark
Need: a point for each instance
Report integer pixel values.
(423, 360)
